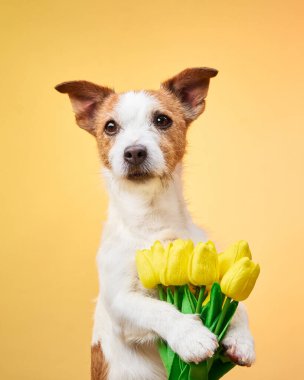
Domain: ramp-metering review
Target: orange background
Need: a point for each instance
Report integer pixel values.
(243, 177)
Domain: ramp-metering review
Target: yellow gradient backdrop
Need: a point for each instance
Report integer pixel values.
(243, 172)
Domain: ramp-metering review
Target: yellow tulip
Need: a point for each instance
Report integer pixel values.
(238, 282)
(231, 255)
(203, 266)
(177, 253)
(149, 263)
(158, 258)
(146, 272)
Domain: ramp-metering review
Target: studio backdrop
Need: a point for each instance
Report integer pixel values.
(243, 173)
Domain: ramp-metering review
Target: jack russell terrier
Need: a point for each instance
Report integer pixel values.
(141, 139)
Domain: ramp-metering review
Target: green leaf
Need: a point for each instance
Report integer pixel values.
(220, 323)
(191, 298)
(161, 292)
(167, 356)
(170, 298)
(181, 365)
(175, 369)
(180, 296)
(162, 349)
(187, 306)
(198, 371)
(184, 371)
(205, 312)
(219, 369)
(215, 304)
(230, 313)
(170, 359)
(212, 327)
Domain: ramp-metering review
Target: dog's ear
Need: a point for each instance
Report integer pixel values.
(85, 97)
(191, 88)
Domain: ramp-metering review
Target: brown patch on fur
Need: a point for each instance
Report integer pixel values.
(104, 114)
(99, 365)
(173, 140)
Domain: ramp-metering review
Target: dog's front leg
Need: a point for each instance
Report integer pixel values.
(184, 333)
(238, 341)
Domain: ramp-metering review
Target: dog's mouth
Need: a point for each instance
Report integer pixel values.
(139, 175)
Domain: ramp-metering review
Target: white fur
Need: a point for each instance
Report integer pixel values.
(128, 318)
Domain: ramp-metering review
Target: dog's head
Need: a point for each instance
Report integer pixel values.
(141, 135)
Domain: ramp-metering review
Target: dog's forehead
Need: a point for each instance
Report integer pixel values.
(135, 106)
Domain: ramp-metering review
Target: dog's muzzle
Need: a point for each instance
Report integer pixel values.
(135, 157)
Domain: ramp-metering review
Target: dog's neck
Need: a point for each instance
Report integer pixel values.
(148, 208)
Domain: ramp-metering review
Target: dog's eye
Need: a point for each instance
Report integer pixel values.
(111, 128)
(162, 121)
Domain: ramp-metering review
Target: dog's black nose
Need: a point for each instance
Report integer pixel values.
(135, 154)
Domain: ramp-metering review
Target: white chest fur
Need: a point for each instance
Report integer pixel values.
(138, 216)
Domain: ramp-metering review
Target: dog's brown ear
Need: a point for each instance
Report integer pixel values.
(85, 98)
(191, 88)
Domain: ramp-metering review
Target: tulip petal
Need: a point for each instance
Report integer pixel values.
(232, 254)
(203, 264)
(145, 269)
(239, 280)
(176, 262)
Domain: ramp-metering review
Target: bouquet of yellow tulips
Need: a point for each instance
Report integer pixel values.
(196, 279)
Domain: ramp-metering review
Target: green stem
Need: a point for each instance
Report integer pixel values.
(222, 316)
(200, 300)
(176, 297)
(161, 293)
(197, 289)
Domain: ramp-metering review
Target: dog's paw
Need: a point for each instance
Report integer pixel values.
(192, 341)
(239, 347)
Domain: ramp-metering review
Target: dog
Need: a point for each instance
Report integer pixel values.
(141, 139)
